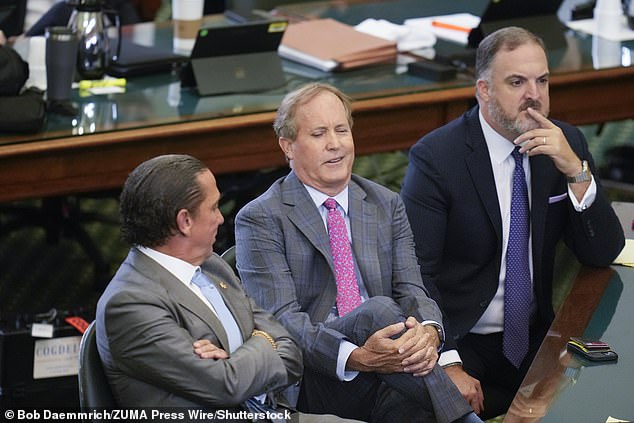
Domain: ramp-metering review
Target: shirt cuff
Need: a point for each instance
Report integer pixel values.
(588, 197)
(345, 349)
(449, 357)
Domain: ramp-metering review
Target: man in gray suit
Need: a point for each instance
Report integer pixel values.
(164, 341)
(378, 361)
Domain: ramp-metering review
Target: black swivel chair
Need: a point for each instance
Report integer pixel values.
(230, 257)
(94, 389)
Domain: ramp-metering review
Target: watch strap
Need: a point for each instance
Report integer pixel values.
(583, 176)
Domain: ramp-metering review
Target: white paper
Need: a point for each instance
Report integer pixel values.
(42, 330)
(589, 27)
(626, 257)
(56, 357)
(306, 59)
(464, 20)
(407, 38)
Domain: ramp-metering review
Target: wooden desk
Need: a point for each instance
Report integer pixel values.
(560, 388)
(392, 111)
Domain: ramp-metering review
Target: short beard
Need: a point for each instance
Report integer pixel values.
(514, 126)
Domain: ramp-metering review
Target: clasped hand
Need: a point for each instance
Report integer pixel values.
(414, 351)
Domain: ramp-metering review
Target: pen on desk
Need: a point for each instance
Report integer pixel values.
(445, 25)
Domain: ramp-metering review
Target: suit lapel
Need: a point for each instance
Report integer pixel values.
(364, 229)
(543, 175)
(482, 176)
(305, 216)
(181, 294)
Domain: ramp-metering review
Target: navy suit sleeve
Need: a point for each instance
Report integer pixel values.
(594, 235)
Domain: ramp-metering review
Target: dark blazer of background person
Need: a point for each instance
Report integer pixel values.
(461, 219)
(451, 200)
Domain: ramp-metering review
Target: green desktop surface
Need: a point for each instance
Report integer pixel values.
(110, 134)
(592, 392)
(159, 98)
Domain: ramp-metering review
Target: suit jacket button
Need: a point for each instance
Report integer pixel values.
(483, 304)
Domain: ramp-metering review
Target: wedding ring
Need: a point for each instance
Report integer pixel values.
(544, 140)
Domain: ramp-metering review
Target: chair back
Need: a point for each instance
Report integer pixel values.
(94, 389)
(230, 257)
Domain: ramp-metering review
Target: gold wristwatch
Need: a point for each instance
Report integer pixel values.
(584, 176)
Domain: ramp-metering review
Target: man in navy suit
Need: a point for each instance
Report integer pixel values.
(377, 362)
(457, 193)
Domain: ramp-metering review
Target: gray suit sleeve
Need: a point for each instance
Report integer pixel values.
(287, 349)
(149, 341)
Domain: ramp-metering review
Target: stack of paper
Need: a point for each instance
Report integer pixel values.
(626, 257)
(455, 27)
(406, 38)
(329, 45)
(589, 26)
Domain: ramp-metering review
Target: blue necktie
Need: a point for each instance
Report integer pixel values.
(517, 286)
(210, 292)
(233, 333)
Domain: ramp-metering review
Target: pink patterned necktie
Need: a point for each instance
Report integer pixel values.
(348, 296)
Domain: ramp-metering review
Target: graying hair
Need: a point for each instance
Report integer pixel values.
(508, 39)
(285, 125)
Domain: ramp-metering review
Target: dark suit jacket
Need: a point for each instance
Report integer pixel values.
(147, 321)
(284, 260)
(451, 200)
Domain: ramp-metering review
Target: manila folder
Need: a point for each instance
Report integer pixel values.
(330, 40)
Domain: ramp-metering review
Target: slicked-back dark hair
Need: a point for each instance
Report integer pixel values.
(153, 195)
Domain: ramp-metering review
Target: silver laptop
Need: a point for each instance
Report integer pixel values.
(625, 213)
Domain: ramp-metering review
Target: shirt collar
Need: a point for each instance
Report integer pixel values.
(182, 270)
(319, 197)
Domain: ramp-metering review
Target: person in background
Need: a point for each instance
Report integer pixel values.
(174, 327)
(489, 197)
(331, 255)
